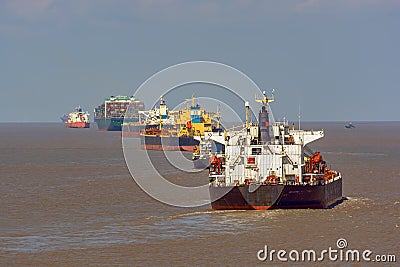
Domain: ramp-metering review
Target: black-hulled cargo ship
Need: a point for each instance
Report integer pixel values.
(155, 139)
(133, 129)
(277, 196)
(109, 116)
(177, 129)
(268, 166)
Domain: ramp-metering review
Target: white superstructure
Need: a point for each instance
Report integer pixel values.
(263, 153)
(78, 116)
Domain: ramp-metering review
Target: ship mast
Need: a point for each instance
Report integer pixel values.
(263, 119)
(264, 101)
(159, 112)
(218, 117)
(299, 116)
(246, 104)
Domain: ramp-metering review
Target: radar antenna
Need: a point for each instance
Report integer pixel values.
(265, 100)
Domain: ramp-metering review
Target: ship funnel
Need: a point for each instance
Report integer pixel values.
(263, 118)
(263, 125)
(247, 105)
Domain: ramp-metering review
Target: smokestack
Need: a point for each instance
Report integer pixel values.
(247, 113)
(263, 126)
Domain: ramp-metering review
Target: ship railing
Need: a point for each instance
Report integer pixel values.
(267, 143)
(316, 178)
(217, 180)
(236, 127)
(337, 177)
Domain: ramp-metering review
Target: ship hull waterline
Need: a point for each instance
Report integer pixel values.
(109, 124)
(77, 124)
(277, 197)
(168, 143)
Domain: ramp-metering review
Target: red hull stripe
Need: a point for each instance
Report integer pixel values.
(187, 148)
(167, 148)
(160, 147)
(217, 207)
(131, 134)
(77, 124)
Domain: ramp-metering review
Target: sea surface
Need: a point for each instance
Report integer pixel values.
(67, 199)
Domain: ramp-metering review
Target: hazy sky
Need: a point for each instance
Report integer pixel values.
(339, 60)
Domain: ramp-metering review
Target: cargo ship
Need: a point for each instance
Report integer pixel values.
(109, 116)
(166, 139)
(177, 129)
(269, 166)
(149, 119)
(78, 119)
(133, 128)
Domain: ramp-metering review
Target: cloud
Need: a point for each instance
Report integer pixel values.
(343, 5)
(179, 10)
(28, 9)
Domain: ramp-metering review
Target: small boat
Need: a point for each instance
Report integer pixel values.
(349, 126)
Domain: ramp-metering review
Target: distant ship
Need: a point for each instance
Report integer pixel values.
(350, 126)
(64, 118)
(268, 166)
(177, 129)
(149, 119)
(133, 129)
(78, 119)
(109, 116)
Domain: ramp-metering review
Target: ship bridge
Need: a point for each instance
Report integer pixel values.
(305, 137)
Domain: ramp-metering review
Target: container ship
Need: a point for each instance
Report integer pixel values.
(177, 129)
(269, 166)
(78, 119)
(109, 116)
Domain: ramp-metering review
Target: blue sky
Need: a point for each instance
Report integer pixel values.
(339, 60)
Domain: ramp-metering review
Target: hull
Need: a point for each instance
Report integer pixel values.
(77, 124)
(170, 143)
(276, 196)
(132, 130)
(109, 124)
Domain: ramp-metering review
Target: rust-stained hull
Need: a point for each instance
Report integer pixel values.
(277, 196)
(170, 143)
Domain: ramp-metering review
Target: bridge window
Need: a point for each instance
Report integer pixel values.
(256, 151)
